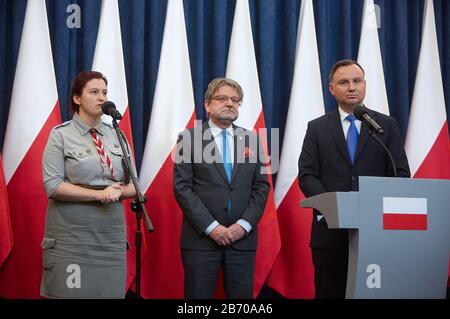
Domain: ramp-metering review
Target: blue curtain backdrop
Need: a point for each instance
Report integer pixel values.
(208, 24)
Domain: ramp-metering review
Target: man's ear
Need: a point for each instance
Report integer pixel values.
(206, 104)
(331, 88)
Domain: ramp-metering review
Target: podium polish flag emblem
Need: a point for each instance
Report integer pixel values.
(404, 213)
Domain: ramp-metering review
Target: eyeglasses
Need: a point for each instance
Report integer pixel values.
(224, 98)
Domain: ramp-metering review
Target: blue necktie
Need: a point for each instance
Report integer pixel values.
(352, 137)
(225, 155)
(226, 162)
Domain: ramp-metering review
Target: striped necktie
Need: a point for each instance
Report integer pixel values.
(104, 159)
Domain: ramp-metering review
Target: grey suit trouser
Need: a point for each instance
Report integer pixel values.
(201, 269)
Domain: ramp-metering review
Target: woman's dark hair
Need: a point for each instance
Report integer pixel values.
(78, 84)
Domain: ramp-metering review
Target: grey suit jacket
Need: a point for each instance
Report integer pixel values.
(203, 191)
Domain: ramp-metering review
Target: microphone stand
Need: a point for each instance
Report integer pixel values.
(372, 133)
(137, 206)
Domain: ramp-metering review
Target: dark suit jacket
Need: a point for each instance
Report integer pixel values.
(202, 188)
(325, 166)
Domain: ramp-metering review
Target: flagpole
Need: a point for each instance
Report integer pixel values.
(137, 205)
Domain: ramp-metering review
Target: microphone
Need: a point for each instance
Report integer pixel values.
(109, 108)
(361, 114)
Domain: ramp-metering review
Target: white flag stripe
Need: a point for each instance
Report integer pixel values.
(404, 205)
(427, 115)
(173, 104)
(241, 66)
(34, 93)
(369, 57)
(108, 57)
(306, 102)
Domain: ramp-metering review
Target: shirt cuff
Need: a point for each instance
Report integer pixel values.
(245, 224)
(210, 228)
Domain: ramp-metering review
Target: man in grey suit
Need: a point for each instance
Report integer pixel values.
(221, 188)
(337, 149)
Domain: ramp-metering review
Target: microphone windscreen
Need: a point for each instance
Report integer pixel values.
(107, 107)
(359, 111)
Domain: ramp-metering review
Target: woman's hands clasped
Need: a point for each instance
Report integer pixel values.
(111, 193)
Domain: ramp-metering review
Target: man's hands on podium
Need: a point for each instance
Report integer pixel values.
(224, 236)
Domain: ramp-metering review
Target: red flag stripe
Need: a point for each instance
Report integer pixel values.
(6, 239)
(269, 240)
(20, 275)
(130, 217)
(437, 162)
(164, 251)
(293, 270)
(125, 126)
(404, 221)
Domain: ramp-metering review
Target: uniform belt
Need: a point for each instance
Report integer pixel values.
(96, 187)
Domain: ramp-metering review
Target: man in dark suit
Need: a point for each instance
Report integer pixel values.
(220, 187)
(337, 149)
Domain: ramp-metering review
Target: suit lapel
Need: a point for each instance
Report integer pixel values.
(363, 138)
(236, 165)
(217, 158)
(335, 126)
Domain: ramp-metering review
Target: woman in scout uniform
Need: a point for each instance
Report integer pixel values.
(84, 246)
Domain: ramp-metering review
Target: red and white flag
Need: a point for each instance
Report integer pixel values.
(401, 213)
(369, 57)
(6, 238)
(293, 273)
(241, 67)
(173, 110)
(108, 59)
(34, 111)
(427, 143)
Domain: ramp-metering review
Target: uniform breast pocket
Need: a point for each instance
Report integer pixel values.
(79, 154)
(81, 164)
(116, 151)
(117, 160)
(116, 156)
